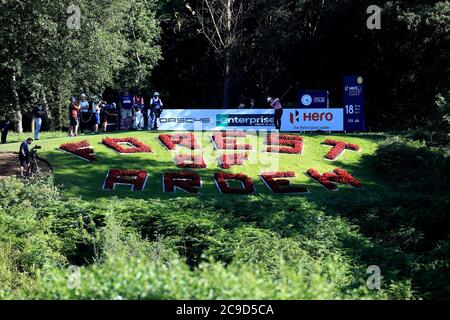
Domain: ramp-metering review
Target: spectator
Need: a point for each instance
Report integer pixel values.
(85, 113)
(276, 104)
(4, 127)
(96, 107)
(126, 110)
(138, 106)
(39, 113)
(154, 113)
(241, 105)
(252, 104)
(74, 109)
(109, 111)
(24, 156)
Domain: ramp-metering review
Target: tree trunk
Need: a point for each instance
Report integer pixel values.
(47, 111)
(17, 109)
(226, 80)
(227, 58)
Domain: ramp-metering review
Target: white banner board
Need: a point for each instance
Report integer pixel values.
(313, 120)
(217, 119)
(251, 119)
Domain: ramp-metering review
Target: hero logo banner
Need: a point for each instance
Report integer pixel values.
(244, 120)
(353, 93)
(313, 99)
(313, 120)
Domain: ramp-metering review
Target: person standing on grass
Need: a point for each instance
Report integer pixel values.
(24, 156)
(4, 127)
(276, 105)
(154, 113)
(39, 113)
(96, 108)
(126, 110)
(109, 111)
(74, 110)
(138, 106)
(85, 112)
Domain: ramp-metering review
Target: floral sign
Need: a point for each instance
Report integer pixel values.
(80, 149)
(338, 148)
(134, 178)
(133, 145)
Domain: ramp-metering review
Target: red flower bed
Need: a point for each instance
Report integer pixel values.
(188, 140)
(187, 181)
(281, 185)
(135, 178)
(274, 138)
(338, 148)
(226, 161)
(115, 143)
(81, 149)
(329, 179)
(228, 141)
(222, 184)
(190, 161)
(285, 144)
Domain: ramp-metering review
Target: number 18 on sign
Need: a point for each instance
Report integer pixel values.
(354, 103)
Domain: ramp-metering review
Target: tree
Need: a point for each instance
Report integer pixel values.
(41, 58)
(221, 23)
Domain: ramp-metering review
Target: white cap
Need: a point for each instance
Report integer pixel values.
(156, 94)
(269, 99)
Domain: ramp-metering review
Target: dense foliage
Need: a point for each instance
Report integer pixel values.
(257, 247)
(172, 250)
(46, 57)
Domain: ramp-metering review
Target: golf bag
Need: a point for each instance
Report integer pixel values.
(138, 123)
(126, 119)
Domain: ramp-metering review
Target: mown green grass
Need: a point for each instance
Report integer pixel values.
(80, 178)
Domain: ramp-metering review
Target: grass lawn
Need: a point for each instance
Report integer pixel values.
(80, 178)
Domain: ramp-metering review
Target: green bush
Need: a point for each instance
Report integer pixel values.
(412, 164)
(132, 268)
(191, 248)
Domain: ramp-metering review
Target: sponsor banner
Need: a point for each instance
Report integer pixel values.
(313, 99)
(217, 119)
(354, 103)
(313, 120)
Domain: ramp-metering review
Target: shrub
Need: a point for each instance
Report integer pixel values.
(411, 163)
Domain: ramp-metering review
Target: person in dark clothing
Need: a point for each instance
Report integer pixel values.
(24, 155)
(252, 104)
(39, 113)
(4, 127)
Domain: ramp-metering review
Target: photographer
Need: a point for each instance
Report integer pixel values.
(24, 156)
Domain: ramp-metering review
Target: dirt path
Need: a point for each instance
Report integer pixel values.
(9, 165)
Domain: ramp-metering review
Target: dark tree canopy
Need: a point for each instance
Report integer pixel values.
(213, 53)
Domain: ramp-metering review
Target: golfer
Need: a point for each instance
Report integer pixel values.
(276, 105)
